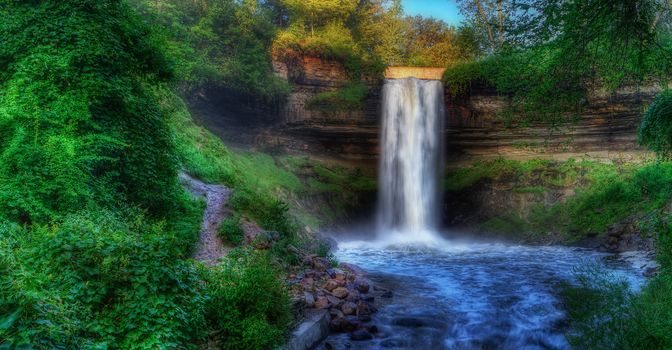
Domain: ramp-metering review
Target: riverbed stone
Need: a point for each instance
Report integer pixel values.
(336, 302)
(360, 335)
(322, 302)
(353, 295)
(362, 285)
(309, 299)
(349, 308)
(330, 285)
(340, 292)
(363, 308)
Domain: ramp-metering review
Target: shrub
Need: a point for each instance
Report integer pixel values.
(655, 131)
(247, 303)
(96, 281)
(231, 231)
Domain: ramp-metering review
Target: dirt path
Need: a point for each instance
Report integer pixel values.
(210, 246)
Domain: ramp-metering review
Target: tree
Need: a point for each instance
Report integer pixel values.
(317, 13)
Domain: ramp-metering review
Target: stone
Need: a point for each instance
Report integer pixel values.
(364, 318)
(334, 301)
(330, 285)
(351, 324)
(360, 335)
(353, 295)
(362, 285)
(322, 303)
(309, 299)
(336, 313)
(368, 298)
(340, 292)
(307, 282)
(320, 264)
(363, 308)
(349, 308)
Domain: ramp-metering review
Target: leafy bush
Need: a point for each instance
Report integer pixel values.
(96, 281)
(79, 123)
(655, 131)
(231, 231)
(247, 303)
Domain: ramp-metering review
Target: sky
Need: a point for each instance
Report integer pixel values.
(446, 10)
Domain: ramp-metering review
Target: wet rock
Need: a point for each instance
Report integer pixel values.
(353, 295)
(363, 308)
(336, 325)
(364, 318)
(349, 308)
(362, 285)
(322, 302)
(329, 346)
(340, 292)
(417, 322)
(360, 335)
(651, 272)
(368, 298)
(309, 299)
(336, 313)
(350, 324)
(330, 285)
(371, 328)
(336, 302)
(320, 264)
(386, 294)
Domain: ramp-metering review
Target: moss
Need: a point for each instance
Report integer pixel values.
(348, 98)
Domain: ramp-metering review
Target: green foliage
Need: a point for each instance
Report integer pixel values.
(348, 98)
(98, 280)
(554, 55)
(606, 314)
(231, 231)
(655, 131)
(247, 302)
(223, 43)
(77, 114)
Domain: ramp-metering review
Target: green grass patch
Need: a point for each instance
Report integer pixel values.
(348, 98)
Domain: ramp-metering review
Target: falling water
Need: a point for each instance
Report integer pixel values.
(413, 113)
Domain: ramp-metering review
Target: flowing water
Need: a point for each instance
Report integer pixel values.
(411, 158)
(473, 296)
(450, 295)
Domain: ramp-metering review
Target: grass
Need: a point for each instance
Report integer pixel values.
(606, 194)
(348, 98)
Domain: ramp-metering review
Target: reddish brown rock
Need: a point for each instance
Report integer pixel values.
(349, 308)
(340, 292)
(322, 303)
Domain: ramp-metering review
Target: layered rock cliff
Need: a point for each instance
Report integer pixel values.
(605, 130)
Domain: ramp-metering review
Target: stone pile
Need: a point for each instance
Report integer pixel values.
(344, 292)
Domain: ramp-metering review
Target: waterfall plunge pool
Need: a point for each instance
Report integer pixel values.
(474, 295)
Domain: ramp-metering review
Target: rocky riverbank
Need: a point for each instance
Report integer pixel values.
(342, 291)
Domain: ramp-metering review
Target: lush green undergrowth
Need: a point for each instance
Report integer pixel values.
(605, 194)
(348, 98)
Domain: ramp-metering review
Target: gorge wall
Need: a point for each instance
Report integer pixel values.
(605, 130)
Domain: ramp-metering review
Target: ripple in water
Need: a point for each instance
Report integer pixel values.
(472, 296)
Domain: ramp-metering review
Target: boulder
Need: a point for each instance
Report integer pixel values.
(362, 285)
(330, 285)
(322, 303)
(360, 335)
(363, 308)
(349, 308)
(309, 299)
(340, 292)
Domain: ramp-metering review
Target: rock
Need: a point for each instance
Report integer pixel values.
(329, 346)
(264, 240)
(360, 335)
(351, 324)
(651, 272)
(349, 308)
(334, 301)
(371, 328)
(386, 294)
(339, 275)
(320, 264)
(309, 299)
(336, 313)
(364, 318)
(330, 285)
(363, 308)
(340, 292)
(362, 285)
(353, 295)
(307, 283)
(336, 324)
(368, 298)
(322, 302)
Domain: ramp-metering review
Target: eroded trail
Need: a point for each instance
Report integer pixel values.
(211, 248)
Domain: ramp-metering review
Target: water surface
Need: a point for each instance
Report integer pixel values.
(473, 296)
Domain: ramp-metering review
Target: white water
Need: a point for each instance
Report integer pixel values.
(411, 159)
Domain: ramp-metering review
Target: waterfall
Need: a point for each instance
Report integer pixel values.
(411, 160)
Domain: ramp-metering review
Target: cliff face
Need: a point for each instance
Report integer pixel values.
(605, 130)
